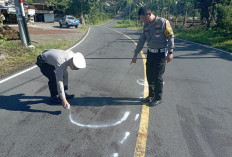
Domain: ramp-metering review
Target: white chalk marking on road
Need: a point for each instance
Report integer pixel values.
(141, 82)
(125, 137)
(115, 155)
(136, 117)
(24, 71)
(126, 114)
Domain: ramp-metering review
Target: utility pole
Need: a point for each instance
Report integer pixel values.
(23, 30)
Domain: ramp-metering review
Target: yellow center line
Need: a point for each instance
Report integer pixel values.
(140, 148)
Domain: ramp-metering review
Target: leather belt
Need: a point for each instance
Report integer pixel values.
(156, 50)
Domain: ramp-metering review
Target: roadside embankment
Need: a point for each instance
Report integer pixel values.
(14, 56)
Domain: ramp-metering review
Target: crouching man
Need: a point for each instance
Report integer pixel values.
(53, 64)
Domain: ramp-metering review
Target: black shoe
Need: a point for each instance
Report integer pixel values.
(69, 96)
(55, 100)
(147, 99)
(155, 102)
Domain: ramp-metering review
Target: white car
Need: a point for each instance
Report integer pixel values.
(69, 20)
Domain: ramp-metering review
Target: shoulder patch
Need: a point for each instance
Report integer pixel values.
(168, 31)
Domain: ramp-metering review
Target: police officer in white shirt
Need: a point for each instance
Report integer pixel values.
(53, 64)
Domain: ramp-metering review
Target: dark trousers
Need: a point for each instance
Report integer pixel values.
(49, 71)
(155, 68)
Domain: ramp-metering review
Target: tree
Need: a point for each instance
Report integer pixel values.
(62, 5)
(224, 17)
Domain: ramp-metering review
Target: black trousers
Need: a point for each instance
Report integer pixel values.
(155, 68)
(49, 71)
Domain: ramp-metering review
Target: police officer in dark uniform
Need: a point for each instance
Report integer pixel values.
(158, 34)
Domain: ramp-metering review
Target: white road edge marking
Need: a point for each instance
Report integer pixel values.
(8, 78)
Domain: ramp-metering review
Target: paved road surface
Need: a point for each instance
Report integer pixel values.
(105, 117)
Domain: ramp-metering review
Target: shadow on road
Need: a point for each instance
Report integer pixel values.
(21, 102)
(197, 51)
(104, 101)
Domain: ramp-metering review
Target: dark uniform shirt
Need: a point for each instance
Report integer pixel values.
(158, 35)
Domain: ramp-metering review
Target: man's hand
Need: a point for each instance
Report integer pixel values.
(134, 59)
(65, 103)
(169, 57)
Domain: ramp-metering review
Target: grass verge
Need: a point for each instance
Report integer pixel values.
(128, 24)
(15, 56)
(215, 38)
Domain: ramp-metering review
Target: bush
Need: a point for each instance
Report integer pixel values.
(96, 16)
(224, 17)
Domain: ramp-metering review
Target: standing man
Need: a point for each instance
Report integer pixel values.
(53, 64)
(158, 34)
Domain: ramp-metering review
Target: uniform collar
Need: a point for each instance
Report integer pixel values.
(153, 22)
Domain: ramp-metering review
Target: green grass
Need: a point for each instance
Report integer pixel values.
(215, 38)
(16, 57)
(127, 24)
(103, 22)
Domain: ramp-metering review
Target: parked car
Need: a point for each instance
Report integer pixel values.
(69, 20)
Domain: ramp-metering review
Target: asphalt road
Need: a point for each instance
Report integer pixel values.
(107, 118)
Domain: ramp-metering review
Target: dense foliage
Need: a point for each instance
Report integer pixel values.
(209, 13)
